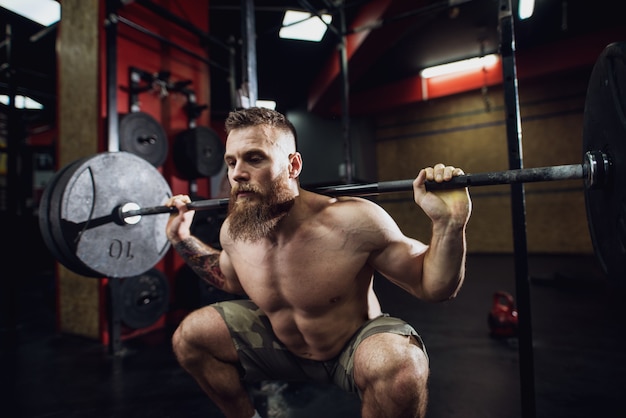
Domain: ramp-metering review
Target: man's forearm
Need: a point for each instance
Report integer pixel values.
(444, 264)
(203, 259)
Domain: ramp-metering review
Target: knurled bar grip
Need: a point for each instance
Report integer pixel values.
(524, 175)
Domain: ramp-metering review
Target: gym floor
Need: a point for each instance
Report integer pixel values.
(578, 340)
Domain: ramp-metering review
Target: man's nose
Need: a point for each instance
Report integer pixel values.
(239, 173)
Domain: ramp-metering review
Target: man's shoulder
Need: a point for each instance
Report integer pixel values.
(344, 208)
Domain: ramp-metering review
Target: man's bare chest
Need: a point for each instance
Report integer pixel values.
(304, 273)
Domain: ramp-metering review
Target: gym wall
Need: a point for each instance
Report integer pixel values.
(322, 145)
(468, 130)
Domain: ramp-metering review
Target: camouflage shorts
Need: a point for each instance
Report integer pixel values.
(263, 357)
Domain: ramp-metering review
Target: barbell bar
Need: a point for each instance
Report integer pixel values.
(91, 213)
(594, 171)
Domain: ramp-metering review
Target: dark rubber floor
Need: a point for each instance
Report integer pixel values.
(577, 362)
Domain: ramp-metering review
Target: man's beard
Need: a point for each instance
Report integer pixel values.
(254, 219)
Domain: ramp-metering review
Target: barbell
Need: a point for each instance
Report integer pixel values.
(99, 224)
(594, 171)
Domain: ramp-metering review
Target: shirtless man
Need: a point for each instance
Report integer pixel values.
(305, 263)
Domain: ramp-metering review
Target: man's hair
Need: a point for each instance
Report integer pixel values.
(255, 116)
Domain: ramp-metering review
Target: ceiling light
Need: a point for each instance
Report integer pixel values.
(267, 104)
(21, 102)
(525, 9)
(304, 26)
(44, 12)
(460, 66)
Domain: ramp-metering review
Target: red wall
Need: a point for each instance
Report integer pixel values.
(145, 52)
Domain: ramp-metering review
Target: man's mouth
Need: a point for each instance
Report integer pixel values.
(244, 193)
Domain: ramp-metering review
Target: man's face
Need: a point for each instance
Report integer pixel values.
(258, 171)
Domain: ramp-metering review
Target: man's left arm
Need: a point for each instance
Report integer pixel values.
(436, 271)
(443, 268)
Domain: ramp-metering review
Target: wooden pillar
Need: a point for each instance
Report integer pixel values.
(80, 135)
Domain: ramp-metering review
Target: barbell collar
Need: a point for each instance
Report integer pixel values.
(131, 213)
(597, 169)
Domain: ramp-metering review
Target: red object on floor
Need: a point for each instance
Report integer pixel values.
(502, 318)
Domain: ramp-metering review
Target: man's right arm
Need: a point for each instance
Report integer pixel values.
(203, 260)
(210, 264)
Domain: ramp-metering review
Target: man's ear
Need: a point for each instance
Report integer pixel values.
(295, 164)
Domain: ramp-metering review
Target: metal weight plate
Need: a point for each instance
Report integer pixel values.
(47, 206)
(145, 298)
(198, 152)
(604, 129)
(81, 215)
(59, 229)
(44, 217)
(142, 135)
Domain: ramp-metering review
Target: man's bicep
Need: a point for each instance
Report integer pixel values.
(228, 274)
(401, 262)
(394, 254)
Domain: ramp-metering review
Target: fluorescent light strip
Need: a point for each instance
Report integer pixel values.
(267, 104)
(21, 102)
(460, 66)
(304, 26)
(526, 9)
(44, 12)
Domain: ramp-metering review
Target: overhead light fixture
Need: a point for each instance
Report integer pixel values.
(44, 12)
(460, 66)
(21, 102)
(525, 9)
(304, 26)
(267, 104)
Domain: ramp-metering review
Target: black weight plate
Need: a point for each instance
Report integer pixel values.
(605, 130)
(48, 229)
(145, 298)
(198, 152)
(43, 212)
(56, 225)
(92, 191)
(142, 135)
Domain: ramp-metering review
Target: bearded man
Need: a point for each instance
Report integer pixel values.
(305, 263)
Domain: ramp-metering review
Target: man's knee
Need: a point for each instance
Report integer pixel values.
(391, 371)
(179, 345)
(394, 361)
(200, 334)
(182, 342)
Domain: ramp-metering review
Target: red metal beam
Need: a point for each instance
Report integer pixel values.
(547, 59)
(363, 48)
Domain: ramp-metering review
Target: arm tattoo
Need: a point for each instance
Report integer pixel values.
(203, 260)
